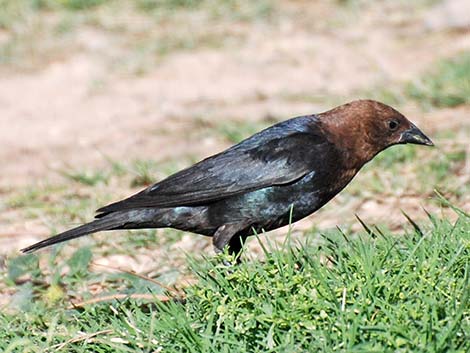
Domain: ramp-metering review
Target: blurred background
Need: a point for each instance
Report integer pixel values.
(98, 99)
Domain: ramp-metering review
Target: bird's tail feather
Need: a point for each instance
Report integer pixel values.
(111, 221)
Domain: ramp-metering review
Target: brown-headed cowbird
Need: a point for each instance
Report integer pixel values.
(283, 173)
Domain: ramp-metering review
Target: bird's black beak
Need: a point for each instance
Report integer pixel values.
(415, 136)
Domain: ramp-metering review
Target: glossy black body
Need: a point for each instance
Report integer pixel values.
(286, 171)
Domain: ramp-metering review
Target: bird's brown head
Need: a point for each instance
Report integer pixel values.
(363, 128)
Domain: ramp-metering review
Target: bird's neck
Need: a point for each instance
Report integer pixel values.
(356, 147)
(357, 153)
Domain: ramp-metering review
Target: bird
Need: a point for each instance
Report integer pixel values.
(279, 175)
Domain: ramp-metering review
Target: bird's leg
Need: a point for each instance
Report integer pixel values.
(226, 236)
(235, 244)
(223, 235)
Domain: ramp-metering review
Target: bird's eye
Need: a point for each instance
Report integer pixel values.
(393, 125)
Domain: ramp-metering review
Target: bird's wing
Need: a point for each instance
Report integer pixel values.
(278, 155)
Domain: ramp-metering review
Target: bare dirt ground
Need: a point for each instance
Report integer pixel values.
(73, 109)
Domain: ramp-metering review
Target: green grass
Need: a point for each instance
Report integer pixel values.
(232, 130)
(236, 131)
(364, 292)
(239, 10)
(230, 9)
(446, 85)
(80, 4)
(369, 2)
(90, 178)
(37, 32)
